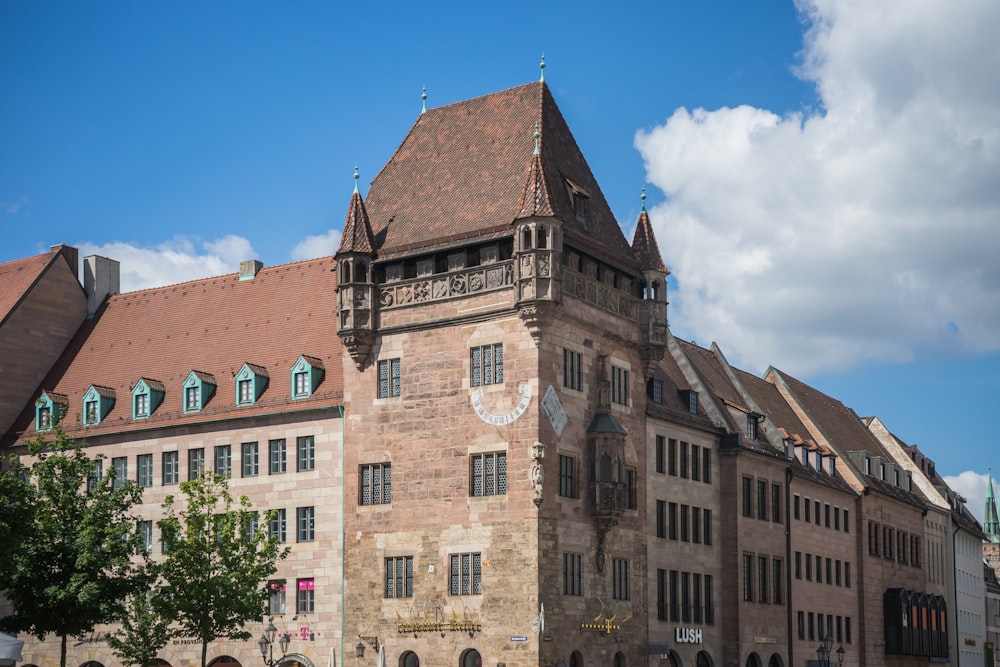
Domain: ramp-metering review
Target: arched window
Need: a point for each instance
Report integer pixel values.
(775, 661)
(753, 660)
(703, 660)
(575, 659)
(409, 659)
(471, 658)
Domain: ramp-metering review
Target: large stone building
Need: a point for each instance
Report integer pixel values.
(484, 443)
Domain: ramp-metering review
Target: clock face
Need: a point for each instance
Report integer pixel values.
(504, 418)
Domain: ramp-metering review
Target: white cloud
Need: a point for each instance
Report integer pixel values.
(13, 208)
(175, 261)
(972, 486)
(317, 246)
(818, 240)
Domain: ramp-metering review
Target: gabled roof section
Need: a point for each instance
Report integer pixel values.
(644, 246)
(213, 325)
(357, 236)
(18, 276)
(459, 173)
(535, 200)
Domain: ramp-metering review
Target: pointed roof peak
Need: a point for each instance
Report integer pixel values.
(541, 66)
(423, 100)
(357, 235)
(535, 198)
(644, 245)
(991, 522)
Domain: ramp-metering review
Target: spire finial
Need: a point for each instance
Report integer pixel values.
(356, 179)
(541, 66)
(536, 135)
(423, 100)
(643, 198)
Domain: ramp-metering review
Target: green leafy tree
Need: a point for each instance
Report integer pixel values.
(17, 511)
(142, 633)
(213, 576)
(75, 565)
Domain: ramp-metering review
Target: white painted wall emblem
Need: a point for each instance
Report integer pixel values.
(508, 418)
(553, 409)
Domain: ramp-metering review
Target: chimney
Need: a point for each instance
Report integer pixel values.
(250, 268)
(101, 279)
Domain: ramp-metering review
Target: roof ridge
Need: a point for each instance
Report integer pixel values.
(205, 279)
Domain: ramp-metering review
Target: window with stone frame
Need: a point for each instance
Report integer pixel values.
(375, 487)
(389, 378)
(567, 476)
(465, 574)
(489, 474)
(486, 365)
(572, 370)
(619, 579)
(399, 577)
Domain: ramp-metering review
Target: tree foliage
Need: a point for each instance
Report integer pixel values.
(142, 633)
(213, 576)
(75, 564)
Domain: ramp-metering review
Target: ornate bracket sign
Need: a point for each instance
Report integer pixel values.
(501, 420)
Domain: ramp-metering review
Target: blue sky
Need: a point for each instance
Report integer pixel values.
(822, 175)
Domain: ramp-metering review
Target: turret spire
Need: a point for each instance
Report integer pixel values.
(423, 101)
(541, 66)
(991, 523)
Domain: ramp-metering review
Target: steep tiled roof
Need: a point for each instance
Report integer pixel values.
(644, 246)
(357, 235)
(17, 277)
(535, 200)
(461, 173)
(674, 407)
(214, 325)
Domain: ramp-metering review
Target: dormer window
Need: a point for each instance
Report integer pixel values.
(752, 420)
(49, 408)
(307, 373)
(251, 382)
(146, 397)
(690, 397)
(199, 388)
(579, 197)
(97, 403)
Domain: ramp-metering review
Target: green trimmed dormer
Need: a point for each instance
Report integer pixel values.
(97, 403)
(146, 397)
(307, 373)
(49, 409)
(199, 388)
(251, 382)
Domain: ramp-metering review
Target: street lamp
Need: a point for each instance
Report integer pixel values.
(266, 644)
(359, 650)
(824, 652)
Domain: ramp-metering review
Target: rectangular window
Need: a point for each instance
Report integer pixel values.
(250, 459)
(619, 385)
(847, 527)
(191, 401)
(816, 507)
(747, 578)
(847, 629)
(376, 484)
(301, 384)
(572, 574)
(251, 529)
(695, 463)
(706, 526)
(656, 391)
(776, 503)
(92, 415)
(44, 419)
(305, 447)
(276, 600)
(685, 597)
(399, 577)
(751, 427)
(706, 465)
(675, 598)
(826, 514)
(829, 570)
(306, 522)
(276, 455)
(777, 581)
(672, 457)
(762, 500)
(223, 460)
(809, 567)
(673, 522)
(144, 462)
(196, 463)
(696, 595)
(245, 390)
(696, 525)
(684, 460)
(762, 579)
(685, 514)
(465, 575)
(836, 518)
(747, 497)
(795, 506)
(486, 363)
(798, 565)
(631, 489)
(661, 595)
(572, 370)
(489, 474)
(661, 445)
(889, 535)
(661, 518)
(847, 574)
(120, 465)
(170, 468)
(305, 602)
(619, 579)
(709, 601)
(837, 570)
(142, 405)
(819, 569)
(388, 378)
(812, 626)
(915, 550)
(840, 630)
(146, 537)
(808, 507)
(802, 624)
(277, 527)
(567, 476)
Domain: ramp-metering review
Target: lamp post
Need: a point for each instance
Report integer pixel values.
(825, 651)
(266, 644)
(359, 650)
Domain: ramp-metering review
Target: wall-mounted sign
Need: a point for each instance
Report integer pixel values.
(553, 409)
(687, 635)
(519, 638)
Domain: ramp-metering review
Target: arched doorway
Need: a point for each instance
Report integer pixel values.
(409, 659)
(471, 658)
(575, 659)
(92, 663)
(675, 660)
(753, 660)
(225, 661)
(775, 661)
(620, 659)
(703, 659)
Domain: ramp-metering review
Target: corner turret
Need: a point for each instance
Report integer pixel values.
(355, 282)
